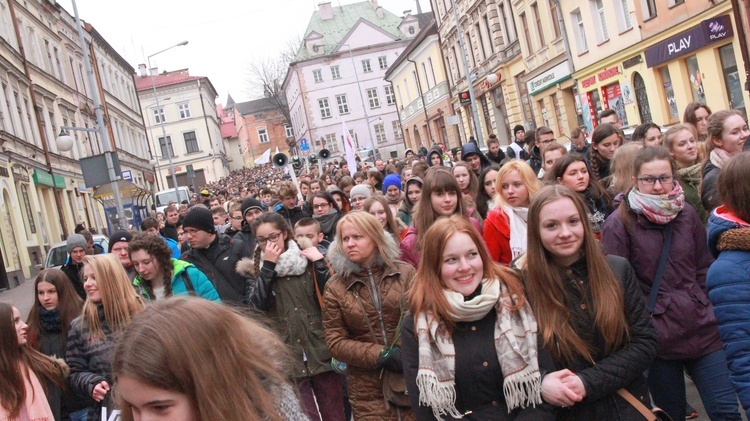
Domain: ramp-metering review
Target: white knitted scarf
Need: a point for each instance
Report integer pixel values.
(517, 222)
(515, 341)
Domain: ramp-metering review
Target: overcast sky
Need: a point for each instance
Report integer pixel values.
(224, 36)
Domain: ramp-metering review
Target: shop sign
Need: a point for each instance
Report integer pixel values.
(550, 77)
(695, 38)
(45, 179)
(464, 98)
(608, 73)
(627, 92)
(585, 83)
(632, 61)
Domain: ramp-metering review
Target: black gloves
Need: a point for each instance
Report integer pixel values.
(390, 359)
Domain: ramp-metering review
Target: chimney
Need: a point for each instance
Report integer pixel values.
(374, 4)
(326, 11)
(142, 70)
(154, 71)
(379, 12)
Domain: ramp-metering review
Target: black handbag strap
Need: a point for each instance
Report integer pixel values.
(660, 269)
(188, 283)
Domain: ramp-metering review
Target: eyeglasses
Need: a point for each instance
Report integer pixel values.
(321, 206)
(650, 181)
(547, 142)
(272, 237)
(357, 199)
(237, 218)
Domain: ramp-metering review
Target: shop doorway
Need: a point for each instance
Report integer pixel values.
(641, 98)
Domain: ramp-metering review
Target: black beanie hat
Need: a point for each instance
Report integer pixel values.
(250, 203)
(518, 128)
(199, 218)
(119, 237)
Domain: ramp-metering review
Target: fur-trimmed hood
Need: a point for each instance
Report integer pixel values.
(344, 267)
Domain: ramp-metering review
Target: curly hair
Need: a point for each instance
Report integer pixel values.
(158, 249)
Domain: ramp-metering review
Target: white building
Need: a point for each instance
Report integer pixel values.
(338, 75)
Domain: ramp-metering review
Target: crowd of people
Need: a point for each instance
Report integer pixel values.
(541, 282)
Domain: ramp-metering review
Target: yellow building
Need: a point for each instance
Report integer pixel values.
(422, 92)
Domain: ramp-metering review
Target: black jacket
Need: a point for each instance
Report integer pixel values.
(247, 236)
(292, 215)
(470, 148)
(535, 159)
(169, 231)
(615, 370)
(73, 271)
(218, 262)
(496, 159)
(512, 154)
(479, 378)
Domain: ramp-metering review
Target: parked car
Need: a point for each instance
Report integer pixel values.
(58, 253)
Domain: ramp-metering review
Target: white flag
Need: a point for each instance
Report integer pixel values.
(265, 158)
(348, 149)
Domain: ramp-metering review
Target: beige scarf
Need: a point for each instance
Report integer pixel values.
(515, 342)
(36, 406)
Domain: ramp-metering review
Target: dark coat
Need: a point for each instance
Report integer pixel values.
(292, 215)
(432, 152)
(535, 159)
(728, 282)
(247, 236)
(218, 262)
(89, 362)
(73, 271)
(61, 403)
(478, 377)
(470, 148)
(710, 187)
(683, 316)
(169, 231)
(496, 159)
(512, 154)
(617, 369)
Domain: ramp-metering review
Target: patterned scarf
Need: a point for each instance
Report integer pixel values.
(517, 221)
(692, 174)
(515, 342)
(291, 262)
(50, 320)
(658, 208)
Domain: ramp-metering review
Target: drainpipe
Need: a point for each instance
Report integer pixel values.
(38, 113)
(421, 95)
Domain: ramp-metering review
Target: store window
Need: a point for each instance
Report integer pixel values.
(616, 102)
(696, 79)
(666, 82)
(732, 78)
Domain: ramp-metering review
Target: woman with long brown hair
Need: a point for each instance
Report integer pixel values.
(590, 313)
(56, 304)
(242, 379)
(470, 340)
(111, 302)
(377, 206)
(22, 371)
(727, 135)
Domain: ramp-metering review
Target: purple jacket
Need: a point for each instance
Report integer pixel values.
(684, 319)
(410, 248)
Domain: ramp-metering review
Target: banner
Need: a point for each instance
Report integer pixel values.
(348, 148)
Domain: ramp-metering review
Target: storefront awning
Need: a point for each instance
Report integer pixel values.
(128, 191)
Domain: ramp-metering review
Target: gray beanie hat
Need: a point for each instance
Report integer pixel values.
(360, 189)
(76, 240)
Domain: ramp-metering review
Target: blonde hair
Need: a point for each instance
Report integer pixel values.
(621, 167)
(369, 226)
(119, 298)
(249, 358)
(528, 178)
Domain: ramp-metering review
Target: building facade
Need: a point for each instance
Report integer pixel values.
(651, 59)
(43, 87)
(423, 94)
(261, 127)
(185, 125)
(229, 134)
(338, 76)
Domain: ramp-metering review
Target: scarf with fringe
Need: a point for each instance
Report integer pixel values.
(517, 221)
(658, 208)
(291, 262)
(515, 342)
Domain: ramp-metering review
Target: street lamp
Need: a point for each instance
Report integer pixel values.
(163, 130)
(100, 126)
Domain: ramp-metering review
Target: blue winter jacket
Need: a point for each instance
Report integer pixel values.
(728, 283)
(201, 285)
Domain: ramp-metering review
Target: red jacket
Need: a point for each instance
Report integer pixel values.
(497, 236)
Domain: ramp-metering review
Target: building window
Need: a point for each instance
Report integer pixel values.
(470, 50)
(184, 110)
(329, 142)
(390, 97)
(380, 135)
(649, 9)
(696, 79)
(335, 74)
(366, 66)
(163, 146)
(263, 135)
(27, 205)
(318, 76)
(580, 31)
(455, 61)
(538, 23)
(288, 130)
(666, 81)
(673, 3)
(342, 104)
(372, 96)
(526, 35)
(478, 29)
(623, 15)
(191, 142)
(555, 23)
(397, 129)
(487, 31)
(383, 62)
(325, 109)
(732, 78)
(600, 20)
(509, 26)
(159, 115)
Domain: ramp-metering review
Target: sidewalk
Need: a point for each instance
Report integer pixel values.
(22, 297)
